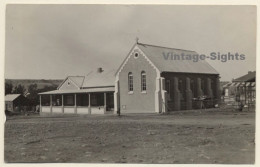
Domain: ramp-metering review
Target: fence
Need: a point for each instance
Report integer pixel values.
(198, 103)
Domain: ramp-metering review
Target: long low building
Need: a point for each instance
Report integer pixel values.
(242, 88)
(145, 82)
(14, 102)
(91, 94)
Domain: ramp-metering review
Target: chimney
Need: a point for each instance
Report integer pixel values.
(99, 70)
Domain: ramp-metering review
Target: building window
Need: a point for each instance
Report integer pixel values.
(143, 81)
(68, 100)
(56, 100)
(82, 99)
(94, 100)
(130, 82)
(97, 99)
(45, 100)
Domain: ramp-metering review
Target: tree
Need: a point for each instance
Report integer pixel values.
(8, 88)
(47, 88)
(33, 96)
(32, 89)
(19, 89)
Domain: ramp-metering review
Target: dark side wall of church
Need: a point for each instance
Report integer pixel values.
(170, 78)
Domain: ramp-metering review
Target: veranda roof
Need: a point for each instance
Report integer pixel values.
(89, 90)
(233, 84)
(242, 84)
(248, 84)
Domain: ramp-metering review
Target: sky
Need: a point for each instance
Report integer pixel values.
(55, 41)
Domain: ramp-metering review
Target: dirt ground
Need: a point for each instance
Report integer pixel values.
(211, 137)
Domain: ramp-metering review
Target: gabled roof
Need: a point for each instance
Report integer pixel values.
(11, 97)
(250, 77)
(97, 79)
(155, 54)
(77, 80)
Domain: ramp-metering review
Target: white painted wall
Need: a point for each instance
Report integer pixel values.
(82, 110)
(57, 109)
(69, 110)
(97, 110)
(46, 109)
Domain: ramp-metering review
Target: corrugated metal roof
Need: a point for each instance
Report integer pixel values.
(96, 79)
(11, 97)
(90, 90)
(155, 54)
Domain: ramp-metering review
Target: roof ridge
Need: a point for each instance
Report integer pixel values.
(164, 47)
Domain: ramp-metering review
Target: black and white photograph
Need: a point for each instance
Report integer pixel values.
(130, 83)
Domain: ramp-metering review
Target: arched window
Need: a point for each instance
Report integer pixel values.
(130, 82)
(143, 81)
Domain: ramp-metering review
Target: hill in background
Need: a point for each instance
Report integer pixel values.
(41, 83)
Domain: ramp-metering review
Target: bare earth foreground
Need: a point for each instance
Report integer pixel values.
(184, 137)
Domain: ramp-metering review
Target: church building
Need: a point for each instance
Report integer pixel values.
(146, 82)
